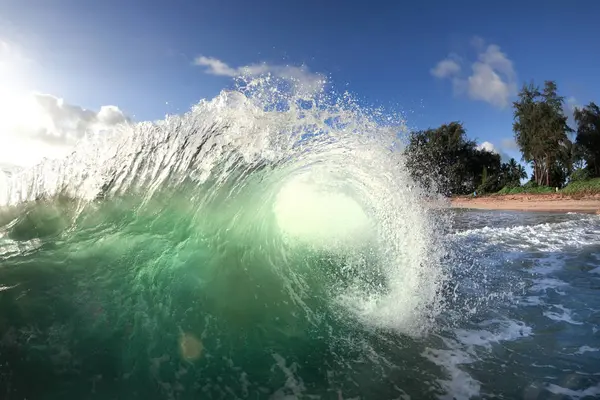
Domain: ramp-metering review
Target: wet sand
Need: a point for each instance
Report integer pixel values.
(531, 202)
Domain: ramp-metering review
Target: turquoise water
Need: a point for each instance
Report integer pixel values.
(230, 253)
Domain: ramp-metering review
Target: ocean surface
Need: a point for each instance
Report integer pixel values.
(266, 246)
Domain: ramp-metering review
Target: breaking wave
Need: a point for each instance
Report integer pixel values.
(222, 248)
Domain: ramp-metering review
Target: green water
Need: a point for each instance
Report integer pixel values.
(125, 298)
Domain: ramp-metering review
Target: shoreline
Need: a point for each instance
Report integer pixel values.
(531, 202)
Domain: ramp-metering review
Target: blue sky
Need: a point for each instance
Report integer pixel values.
(140, 55)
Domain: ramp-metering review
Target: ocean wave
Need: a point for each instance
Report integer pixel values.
(249, 229)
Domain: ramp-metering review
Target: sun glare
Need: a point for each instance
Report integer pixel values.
(20, 116)
(19, 111)
(18, 108)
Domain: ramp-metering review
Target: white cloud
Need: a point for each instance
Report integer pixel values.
(492, 148)
(492, 78)
(488, 146)
(217, 67)
(56, 121)
(486, 85)
(445, 68)
(34, 126)
(304, 79)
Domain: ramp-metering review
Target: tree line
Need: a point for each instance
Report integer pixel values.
(444, 159)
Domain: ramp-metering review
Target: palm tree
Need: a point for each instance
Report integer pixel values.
(513, 168)
(516, 171)
(521, 173)
(511, 173)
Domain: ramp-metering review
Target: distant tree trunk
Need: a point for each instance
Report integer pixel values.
(539, 172)
(547, 170)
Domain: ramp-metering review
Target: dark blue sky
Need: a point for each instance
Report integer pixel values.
(139, 55)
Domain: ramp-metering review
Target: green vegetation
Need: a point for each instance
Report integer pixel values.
(529, 189)
(587, 143)
(591, 186)
(444, 159)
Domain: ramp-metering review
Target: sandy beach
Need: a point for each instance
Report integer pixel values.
(531, 202)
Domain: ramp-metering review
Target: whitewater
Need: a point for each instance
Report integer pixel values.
(270, 243)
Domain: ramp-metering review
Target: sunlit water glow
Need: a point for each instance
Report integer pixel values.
(270, 244)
